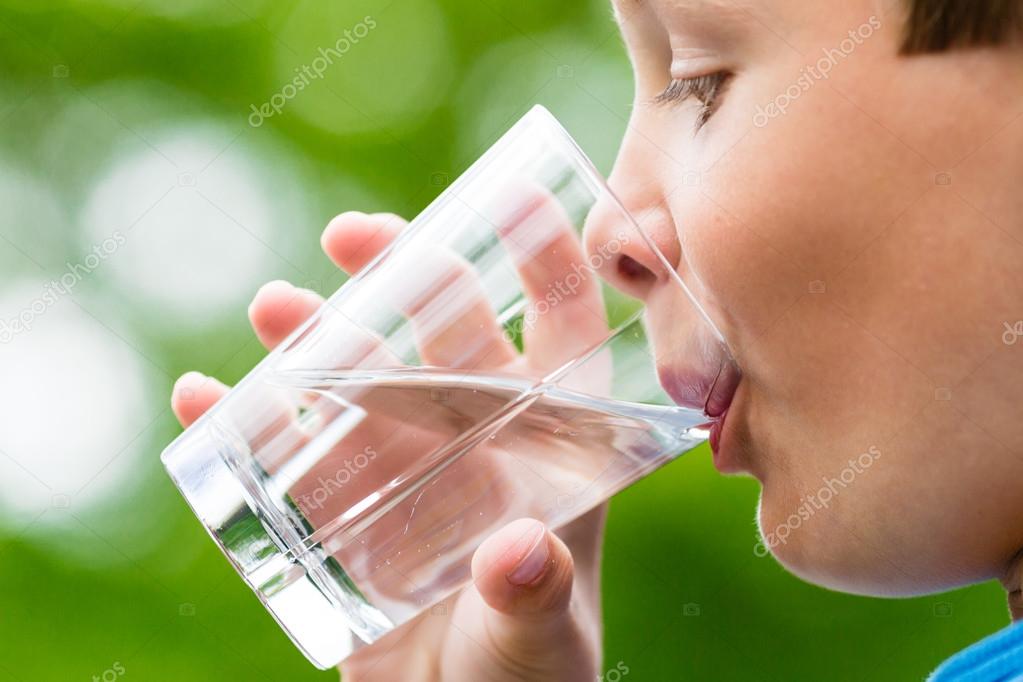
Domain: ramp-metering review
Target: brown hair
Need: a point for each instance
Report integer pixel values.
(936, 25)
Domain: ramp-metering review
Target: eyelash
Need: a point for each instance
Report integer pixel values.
(706, 89)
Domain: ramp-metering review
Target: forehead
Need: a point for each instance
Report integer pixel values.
(690, 17)
(682, 9)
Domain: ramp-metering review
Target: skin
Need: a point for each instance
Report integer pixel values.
(860, 252)
(917, 278)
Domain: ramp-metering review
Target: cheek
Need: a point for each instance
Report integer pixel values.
(768, 233)
(744, 282)
(784, 210)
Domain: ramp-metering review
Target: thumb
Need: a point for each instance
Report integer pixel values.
(524, 571)
(524, 574)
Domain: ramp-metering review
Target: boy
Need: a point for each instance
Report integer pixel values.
(857, 235)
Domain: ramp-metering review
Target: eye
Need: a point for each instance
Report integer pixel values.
(705, 89)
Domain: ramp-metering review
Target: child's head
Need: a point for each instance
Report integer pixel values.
(841, 186)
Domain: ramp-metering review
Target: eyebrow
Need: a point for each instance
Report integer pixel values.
(656, 6)
(695, 11)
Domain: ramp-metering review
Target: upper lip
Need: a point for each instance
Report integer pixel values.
(709, 391)
(723, 391)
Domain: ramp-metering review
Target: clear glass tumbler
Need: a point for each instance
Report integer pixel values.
(476, 372)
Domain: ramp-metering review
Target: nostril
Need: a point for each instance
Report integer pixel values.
(633, 271)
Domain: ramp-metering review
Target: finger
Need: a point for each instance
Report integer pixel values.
(193, 394)
(278, 308)
(353, 239)
(524, 572)
(269, 413)
(440, 293)
(455, 323)
(566, 312)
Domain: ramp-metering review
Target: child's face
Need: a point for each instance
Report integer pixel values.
(853, 229)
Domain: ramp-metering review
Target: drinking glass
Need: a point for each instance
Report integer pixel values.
(476, 372)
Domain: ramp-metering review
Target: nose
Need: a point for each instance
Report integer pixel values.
(624, 232)
(634, 239)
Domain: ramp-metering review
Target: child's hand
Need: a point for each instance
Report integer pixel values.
(523, 617)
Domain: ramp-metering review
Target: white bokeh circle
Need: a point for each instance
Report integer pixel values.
(199, 224)
(73, 399)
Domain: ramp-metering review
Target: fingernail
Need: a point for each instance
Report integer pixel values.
(534, 564)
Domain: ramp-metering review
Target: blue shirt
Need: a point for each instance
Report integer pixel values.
(999, 658)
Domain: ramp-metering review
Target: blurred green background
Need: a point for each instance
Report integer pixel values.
(136, 119)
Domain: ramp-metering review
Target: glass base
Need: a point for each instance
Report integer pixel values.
(295, 595)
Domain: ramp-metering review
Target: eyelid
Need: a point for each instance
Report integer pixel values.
(690, 62)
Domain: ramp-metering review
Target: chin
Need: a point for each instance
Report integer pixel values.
(822, 552)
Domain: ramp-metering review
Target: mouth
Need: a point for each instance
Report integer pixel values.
(714, 395)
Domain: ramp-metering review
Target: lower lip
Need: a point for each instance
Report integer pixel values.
(715, 432)
(723, 462)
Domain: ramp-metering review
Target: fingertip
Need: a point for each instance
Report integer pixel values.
(352, 239)
(337, 226)
(274, 286)
(278, 308)
(193, 394)
(524, 569)
(269, 289)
